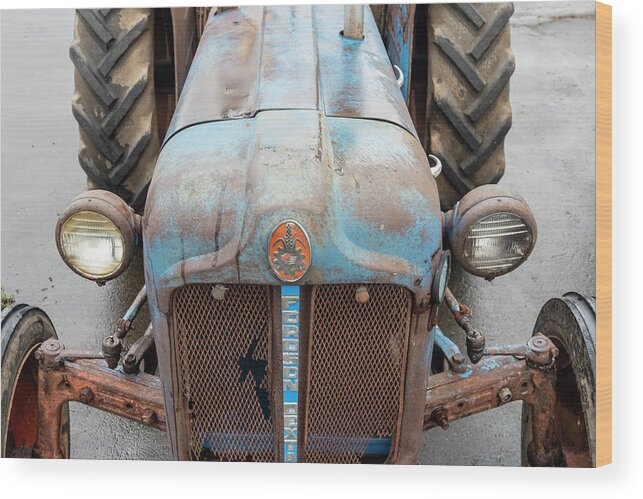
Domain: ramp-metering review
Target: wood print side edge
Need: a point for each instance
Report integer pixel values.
(603, 234)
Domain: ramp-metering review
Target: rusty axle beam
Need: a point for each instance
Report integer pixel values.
(138, 397)
(65, 376)
(493, 382)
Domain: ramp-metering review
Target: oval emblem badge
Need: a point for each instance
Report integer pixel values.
(289, 251)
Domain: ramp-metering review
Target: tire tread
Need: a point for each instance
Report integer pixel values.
(114, 99)
(469, 116)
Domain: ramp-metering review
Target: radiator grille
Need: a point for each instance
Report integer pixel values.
(223, 348)
(355, 372)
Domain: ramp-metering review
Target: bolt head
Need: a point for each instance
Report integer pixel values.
(538, 343)
(218, 292)
(439, 417)
(86, 396)
(51, 345)
(505, 395)
(361, 294)
(149, 417)
(457, 358)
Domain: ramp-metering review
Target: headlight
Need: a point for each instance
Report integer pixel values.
(96, 235)
(492, 231)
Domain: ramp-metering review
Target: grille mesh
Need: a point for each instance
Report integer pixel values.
(355, 373)
(223, 349)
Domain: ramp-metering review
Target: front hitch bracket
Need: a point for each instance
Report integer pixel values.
(67, 375)
(504, 374)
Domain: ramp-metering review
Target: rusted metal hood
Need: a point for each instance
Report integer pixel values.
(254, 59)
(362, 190)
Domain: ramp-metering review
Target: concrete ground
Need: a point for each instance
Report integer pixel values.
(550, 157)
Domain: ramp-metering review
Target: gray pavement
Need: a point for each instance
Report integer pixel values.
(550, 156)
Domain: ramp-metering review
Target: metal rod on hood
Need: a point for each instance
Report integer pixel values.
(354, 21)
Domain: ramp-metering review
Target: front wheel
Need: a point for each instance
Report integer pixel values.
(24, 329)
(570, 323)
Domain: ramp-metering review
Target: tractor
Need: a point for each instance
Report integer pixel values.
(301, 180)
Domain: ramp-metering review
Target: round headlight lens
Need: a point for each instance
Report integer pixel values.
(498, 243)
(92, 244)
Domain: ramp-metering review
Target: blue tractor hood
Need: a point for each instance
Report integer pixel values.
(333, 150)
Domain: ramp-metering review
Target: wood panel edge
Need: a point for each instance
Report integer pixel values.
(603, 234)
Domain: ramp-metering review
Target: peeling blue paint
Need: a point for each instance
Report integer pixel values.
(220, 189)
(489, 365)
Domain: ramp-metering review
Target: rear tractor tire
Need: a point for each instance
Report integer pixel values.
(114, 100)
(468, 116)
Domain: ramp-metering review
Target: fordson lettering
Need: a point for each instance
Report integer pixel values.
(290, 361)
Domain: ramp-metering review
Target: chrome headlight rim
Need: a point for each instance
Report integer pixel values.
(116, 211)
(479, 204)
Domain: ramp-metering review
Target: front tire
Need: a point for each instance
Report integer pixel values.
(24, 329)
(570, 322)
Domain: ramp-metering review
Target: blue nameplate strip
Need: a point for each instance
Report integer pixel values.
(290, 360)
